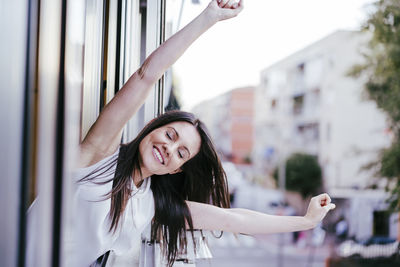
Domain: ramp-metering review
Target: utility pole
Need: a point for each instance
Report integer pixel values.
(282, 187)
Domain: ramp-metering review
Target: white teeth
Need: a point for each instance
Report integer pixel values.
(158, 155)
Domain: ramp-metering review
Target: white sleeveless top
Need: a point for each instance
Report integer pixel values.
(87, 233)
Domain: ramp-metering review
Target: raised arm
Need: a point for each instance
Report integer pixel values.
(246, 221)
(104, 136)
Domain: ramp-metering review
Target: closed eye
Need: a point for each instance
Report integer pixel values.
(183, 153)
(168, 135)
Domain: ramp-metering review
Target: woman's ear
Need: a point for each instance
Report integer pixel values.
(176, 171)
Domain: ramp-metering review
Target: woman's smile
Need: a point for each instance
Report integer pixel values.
(158, 155)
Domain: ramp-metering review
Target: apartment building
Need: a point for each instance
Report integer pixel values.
(307, 103)
(229, 118)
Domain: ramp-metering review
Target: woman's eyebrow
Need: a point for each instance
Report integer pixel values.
(177, 134)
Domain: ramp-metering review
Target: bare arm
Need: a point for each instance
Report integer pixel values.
(209, 217)
(104, 136)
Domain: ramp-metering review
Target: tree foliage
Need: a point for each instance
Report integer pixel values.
(303, 174)
(382, 69)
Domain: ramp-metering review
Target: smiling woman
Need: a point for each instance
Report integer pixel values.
(174, 154)
(169, 176)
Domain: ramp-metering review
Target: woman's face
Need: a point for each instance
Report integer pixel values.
(167, 148)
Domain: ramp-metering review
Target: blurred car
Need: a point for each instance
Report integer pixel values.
(374, 247)
(380, 240)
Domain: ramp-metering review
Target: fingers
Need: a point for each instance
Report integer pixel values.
(226, 9)
(319, 207)
(329, 207)
(229, 4)
(223, 3)
(323, 199)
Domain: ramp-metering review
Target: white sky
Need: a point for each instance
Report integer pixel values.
(233, 52)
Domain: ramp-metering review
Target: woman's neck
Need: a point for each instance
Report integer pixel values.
(139, 176)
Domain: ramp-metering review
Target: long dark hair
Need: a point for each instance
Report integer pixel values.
(202, 180)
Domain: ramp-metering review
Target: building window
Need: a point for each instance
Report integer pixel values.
(309, 132)
(298, 104)
(274, 103)
(300, 67)
(265, 81)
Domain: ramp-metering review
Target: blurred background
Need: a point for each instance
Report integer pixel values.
(300, 97)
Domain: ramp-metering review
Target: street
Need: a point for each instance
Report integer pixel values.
(262, 251)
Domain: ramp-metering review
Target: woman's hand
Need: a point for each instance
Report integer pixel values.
(224, 9)
(318, 208)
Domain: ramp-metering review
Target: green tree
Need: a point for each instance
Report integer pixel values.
(382, 69)
(303, 174)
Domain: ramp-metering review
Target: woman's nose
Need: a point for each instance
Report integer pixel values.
(169, 148)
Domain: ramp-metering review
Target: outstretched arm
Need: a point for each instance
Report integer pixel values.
(209, 217)
(105, 134)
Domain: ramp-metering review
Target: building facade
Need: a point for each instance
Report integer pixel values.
(308, 103)
(229, 118)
